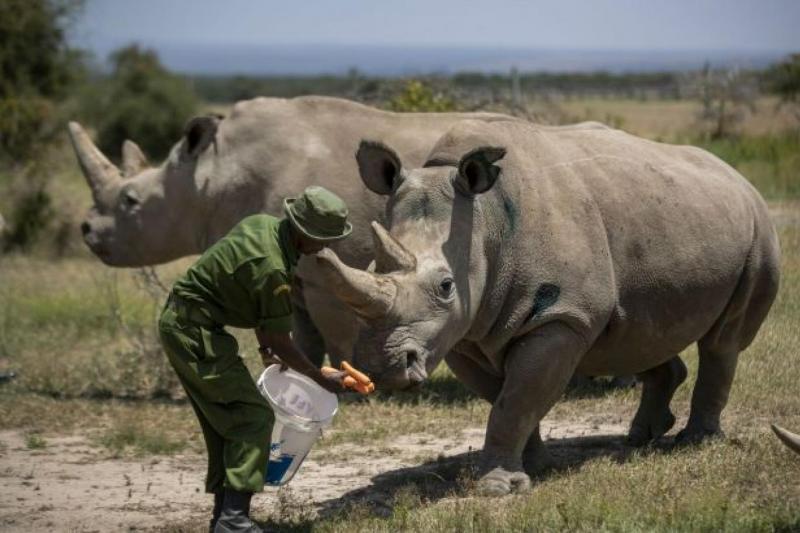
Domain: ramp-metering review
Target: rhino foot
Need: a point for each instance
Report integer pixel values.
(646, 431)
(500, 482)
(691, 435)
(536, 459)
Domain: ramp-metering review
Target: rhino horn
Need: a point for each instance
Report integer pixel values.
(390, 255)
(133, 159)
(98, 170)
(788, 438)
(368, 294)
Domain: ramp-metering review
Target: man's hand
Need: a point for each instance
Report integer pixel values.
(330, 383)
(269, 358)
(281, 347)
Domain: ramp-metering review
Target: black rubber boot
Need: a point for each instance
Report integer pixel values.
(218, 498)
(235, 515)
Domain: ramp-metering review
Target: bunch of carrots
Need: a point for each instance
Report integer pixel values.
(351, 378)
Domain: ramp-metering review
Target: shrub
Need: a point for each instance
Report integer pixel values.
(31, 214)
(141, 101)
(419, 98)
(36, 69)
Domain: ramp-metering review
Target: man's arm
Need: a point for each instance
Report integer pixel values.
(283, 347)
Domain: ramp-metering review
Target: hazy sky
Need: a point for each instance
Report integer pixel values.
(622, 24)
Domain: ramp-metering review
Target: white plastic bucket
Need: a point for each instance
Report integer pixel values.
(302, 410)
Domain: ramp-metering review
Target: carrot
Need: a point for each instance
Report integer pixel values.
(329, 370)
(358, 376)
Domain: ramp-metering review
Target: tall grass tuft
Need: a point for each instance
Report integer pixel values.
(770, 162)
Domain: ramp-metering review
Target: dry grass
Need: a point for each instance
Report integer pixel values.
(670, 119)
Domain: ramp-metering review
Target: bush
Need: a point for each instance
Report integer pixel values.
(31, 214)
(37, 69)
(142, 101)
(419, 98)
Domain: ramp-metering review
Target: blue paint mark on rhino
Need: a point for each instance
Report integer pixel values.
(546, 295)
(511, 212)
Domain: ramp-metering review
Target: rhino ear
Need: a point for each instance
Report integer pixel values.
(199, 133)
(477, 171)
(379, 166)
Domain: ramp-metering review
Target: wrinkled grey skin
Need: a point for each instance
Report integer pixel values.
(225, 169)
(522, 254)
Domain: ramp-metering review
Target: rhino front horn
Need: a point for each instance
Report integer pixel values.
(788, 438)
(369, 295)
(97, 169)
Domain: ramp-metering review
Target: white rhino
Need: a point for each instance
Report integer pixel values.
(225, 169)
(522, 254)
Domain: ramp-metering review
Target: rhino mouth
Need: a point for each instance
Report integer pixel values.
(407, 372)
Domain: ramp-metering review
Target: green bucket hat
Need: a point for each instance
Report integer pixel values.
(318, 214)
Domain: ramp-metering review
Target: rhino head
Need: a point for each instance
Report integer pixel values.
(142, 215)
(428, 277)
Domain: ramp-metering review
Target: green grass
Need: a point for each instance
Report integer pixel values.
(35, 442)
(770, 162)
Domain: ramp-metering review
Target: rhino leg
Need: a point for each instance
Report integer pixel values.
(733, 332)
(535, 457)
(538, 367)
(472, 375)
(714, 377)
(654, 417)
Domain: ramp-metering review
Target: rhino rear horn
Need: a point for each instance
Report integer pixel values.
(788, 438)
(97, 169)
(369, 295)
(133, 159)
(390, 255)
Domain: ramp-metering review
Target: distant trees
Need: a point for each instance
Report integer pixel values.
(37, 69)
(783, 79)
(724, 95)
(142, 101)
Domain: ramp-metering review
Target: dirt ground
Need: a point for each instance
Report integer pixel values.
(71, 485)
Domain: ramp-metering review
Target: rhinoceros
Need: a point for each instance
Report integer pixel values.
(225, 169)
(522, 254)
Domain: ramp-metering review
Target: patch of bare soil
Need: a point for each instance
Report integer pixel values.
(69, 485)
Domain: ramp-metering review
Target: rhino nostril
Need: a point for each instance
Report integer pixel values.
(411, 358)
(85, 228)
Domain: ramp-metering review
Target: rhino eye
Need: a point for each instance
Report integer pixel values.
(446, 288)
(129, 199)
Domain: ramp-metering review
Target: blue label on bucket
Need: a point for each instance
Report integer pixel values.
(276, 469)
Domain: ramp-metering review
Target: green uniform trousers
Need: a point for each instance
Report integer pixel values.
(236, 420)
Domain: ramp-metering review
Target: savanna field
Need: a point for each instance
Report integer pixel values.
(92, 388)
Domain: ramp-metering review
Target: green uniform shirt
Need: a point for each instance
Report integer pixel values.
(244, 279)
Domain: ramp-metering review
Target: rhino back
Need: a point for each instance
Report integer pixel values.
(280, 146)
(638, 245)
